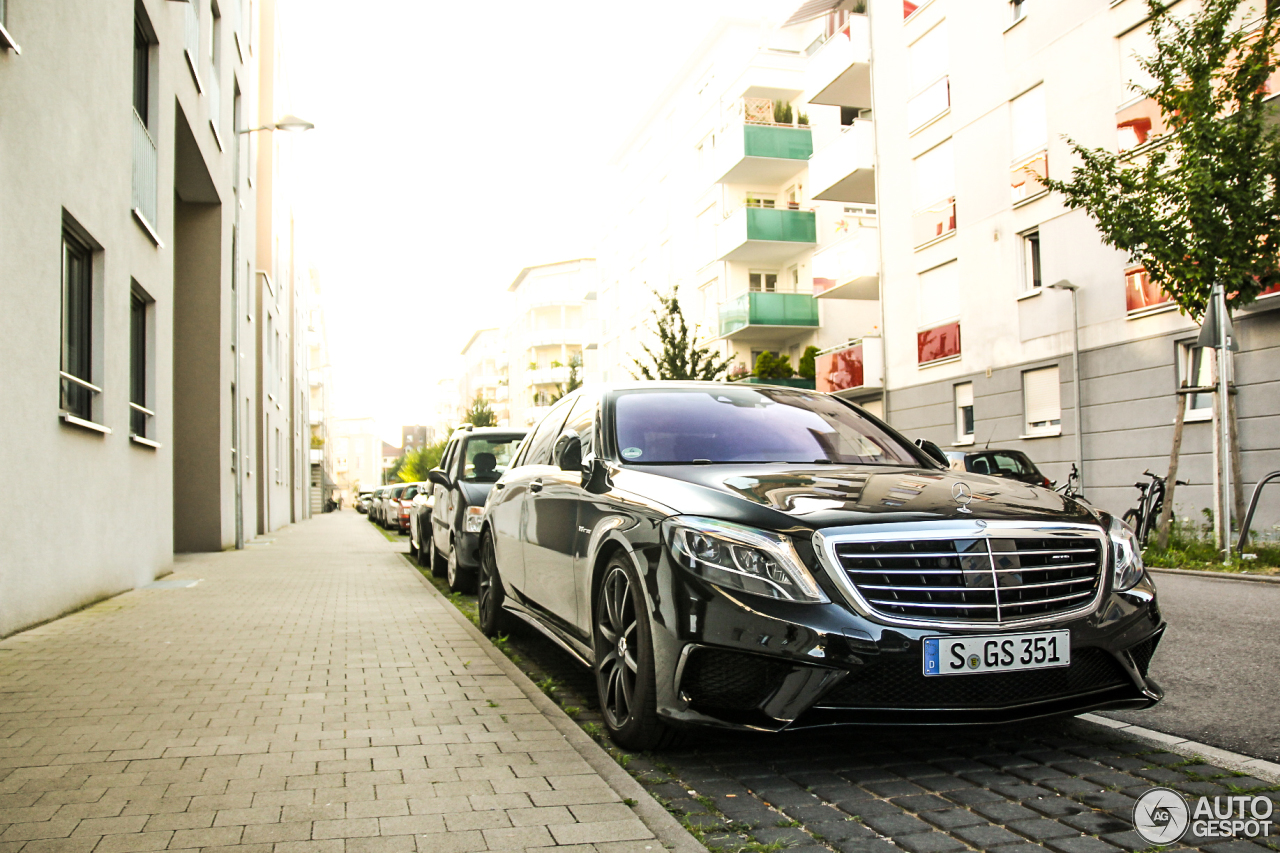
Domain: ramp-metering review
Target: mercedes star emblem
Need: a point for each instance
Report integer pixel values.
(962, 495)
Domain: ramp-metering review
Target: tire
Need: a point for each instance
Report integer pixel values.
(460, 579)
(434, 559)
(413, 548)
(1132, 519)
(489, 591)
(625, 682)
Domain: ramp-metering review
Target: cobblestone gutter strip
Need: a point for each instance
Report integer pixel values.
(668, 830)
(1256, 767)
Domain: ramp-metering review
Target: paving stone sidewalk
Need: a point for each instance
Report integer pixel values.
(308, 694)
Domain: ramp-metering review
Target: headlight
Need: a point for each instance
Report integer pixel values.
(1126, 555)
(471, 521)
(742, 558)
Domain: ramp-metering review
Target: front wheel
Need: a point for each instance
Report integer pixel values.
(460, 579)
(490, 593)
(1134, 520)
(413, 540)
(625, 682)
(434, 559)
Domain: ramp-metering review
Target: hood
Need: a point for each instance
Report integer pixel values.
(835, 496)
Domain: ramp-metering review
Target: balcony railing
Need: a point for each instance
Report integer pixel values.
(145, 172)
(549, 376)
(768, 309)
(934, 222)
(849, 269)
(1026, 174)
(755, 151)
(839, 72)
(1138, 123)
(766, 233)
(844, 169)
(855, 366)
(940, 343)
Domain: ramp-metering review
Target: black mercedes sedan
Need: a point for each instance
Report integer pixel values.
(765, 558)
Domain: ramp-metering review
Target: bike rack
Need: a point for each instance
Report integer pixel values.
(1253, 505)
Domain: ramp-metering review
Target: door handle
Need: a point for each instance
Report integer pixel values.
(499, 485)
(536, 485)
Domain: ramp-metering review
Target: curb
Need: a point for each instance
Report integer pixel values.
(1265, 770)
(1222, 576)
(668, 831)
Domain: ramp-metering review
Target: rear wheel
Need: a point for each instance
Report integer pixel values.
(434, 559)
(413, 540)
(625, 682)
(490, 593)
(1134, 520)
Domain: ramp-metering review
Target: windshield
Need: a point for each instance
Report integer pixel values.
(1001, 465)
(488, 457)
(749, 425)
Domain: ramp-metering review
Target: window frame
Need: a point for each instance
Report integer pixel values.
(81, 368)
(1031, 261)
(763, 274)
(6, 40)
(141, 366)
(1049, 426)
(1185, 364)
(962, 418)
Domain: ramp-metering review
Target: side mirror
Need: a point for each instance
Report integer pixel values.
(439, 477)
(568, 451)
(933, 451)
(595, 476)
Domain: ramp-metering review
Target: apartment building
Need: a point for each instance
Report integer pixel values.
(753, 194)
(319, 410)
(125, 204)
(973, 100)
(357, 456)
(485, 372)
(550, 336)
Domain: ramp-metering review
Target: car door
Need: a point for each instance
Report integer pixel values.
(548, 522)
(589, 510)
(440, 495)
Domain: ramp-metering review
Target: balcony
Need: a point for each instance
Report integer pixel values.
(761, 152)
(939, 344)
(315, 416)
(929, 104)
(766, 234)
(934, 222)
(849, 269)
(553, 338)
(317, 455)
(548, 376)
(768, 317)
(853, 368)
(1026, 177)
(839, 73)
(145, 172)
(1139, 123)
(845, 169)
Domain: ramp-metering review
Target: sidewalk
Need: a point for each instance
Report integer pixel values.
(309, 694)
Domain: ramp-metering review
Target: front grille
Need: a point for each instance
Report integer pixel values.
(896, 681)
(1000, 577)
(714, 678)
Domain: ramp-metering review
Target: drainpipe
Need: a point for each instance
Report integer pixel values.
(875, 136)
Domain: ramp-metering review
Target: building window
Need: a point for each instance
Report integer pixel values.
(1195, 370)
(938, 338)
(928, 60)
(78, 390)
(934, 194)
(141, 73)
(964, 413)
(1018, 10)
(279, 453)
(1031, 278)
(1041, 401)
(1141, 295)
(140, 406)
(763, 282)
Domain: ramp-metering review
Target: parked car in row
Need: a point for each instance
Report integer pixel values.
(1012, 464)
(473, 461)
(752, 557)
(364, 500)
(420, 523)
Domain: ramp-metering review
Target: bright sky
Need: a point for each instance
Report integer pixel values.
(455, 143)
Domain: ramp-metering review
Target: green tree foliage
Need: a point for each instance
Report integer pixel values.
(414, 465)
(680, 356)
(1198, 204)
(575, 378)
(772, 366)
(808, 363)
(480, 414)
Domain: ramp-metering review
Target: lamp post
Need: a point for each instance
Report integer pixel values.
(1075, 369)
(292, 124)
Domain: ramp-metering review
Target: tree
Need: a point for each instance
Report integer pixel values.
(575, 378)
(1199, 204)
(681, 357)
(808, 363)
(415, 464)
(480, 414)
(772, 366)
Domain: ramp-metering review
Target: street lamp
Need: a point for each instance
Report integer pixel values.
(1075, 369)
(289, 123)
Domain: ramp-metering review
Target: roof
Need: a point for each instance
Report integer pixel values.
(524, 272)
(462, 430)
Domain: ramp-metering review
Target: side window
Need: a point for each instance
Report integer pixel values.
(447, 458)
(545, 435)
(582, 420)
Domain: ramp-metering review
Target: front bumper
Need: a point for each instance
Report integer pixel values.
(738, 661)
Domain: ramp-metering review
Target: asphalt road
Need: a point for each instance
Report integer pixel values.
(1219, 664)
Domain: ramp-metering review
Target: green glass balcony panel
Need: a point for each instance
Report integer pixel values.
(787, 143)
(793, 382)
(768, 309)
(782, 225)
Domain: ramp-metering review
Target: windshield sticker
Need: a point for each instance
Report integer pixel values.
(632, 453)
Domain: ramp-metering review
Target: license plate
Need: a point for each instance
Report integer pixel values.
(996, 652)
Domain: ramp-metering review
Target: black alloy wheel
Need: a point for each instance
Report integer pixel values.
(490, 593)
(460, 579)
(625, 682)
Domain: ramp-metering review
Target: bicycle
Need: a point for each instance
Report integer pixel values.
(1146, 514)
(1071, 488)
